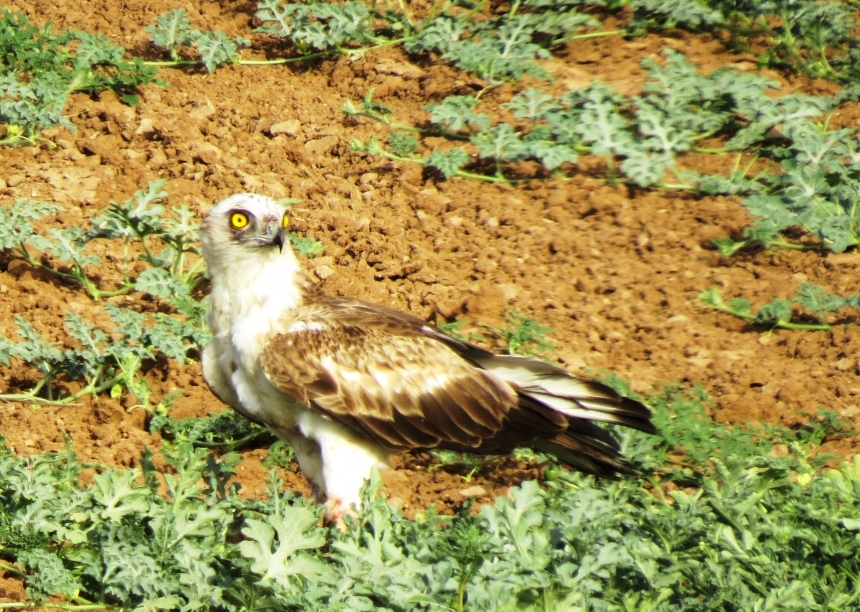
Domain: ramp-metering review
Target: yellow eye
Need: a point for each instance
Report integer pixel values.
(238, 220)
(285, 222)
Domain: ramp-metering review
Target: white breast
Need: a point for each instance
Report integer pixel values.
(247, 305)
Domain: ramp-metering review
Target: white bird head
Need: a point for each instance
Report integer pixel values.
(244, 226)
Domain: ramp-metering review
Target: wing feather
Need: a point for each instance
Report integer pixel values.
(453, 426)
(389, 381)
(389, 377)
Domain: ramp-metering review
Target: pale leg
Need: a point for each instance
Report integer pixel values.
(310, 461)
(347, 462)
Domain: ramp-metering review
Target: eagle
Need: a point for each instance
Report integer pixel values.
(348, 383)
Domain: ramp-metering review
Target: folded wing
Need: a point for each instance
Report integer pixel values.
(387, 376)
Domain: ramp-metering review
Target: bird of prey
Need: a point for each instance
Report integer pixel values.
(347, 383)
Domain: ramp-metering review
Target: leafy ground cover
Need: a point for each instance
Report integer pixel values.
(732, 523)
(596, 213)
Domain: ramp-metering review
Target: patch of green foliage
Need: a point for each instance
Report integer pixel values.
(818, 38)
(307, 246)
(224, 430)
(320, 25)
(172, 31)
(505, 46)
(163, 240)
(779, 313)
(110, 359)
(521, 336)
(40, 68)
(810, 176)
(495, 48)
(99, 360)
(718, 521)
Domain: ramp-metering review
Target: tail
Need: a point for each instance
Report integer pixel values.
(552, 392)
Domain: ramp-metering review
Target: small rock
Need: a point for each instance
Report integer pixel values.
(509, 291)
(473, 491)
(207, 153)
(844, 259)
(157, 158)
(779, 450)
(432, 201)
(321, 145)
(401, 69)
(699, 362)
(146, 126)
(202, 111)
(323, 272)
(290, 128)
(845, 364)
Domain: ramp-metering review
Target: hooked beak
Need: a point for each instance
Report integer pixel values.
(280, 239)
(276, 234)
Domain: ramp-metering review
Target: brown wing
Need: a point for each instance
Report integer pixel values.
(381, 376)
(386, 375)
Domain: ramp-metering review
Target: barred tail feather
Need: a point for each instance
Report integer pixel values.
(573, 397)
(583, 445)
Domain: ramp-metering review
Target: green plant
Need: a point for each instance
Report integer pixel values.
(307, 246)
(40, 68)
(455, 330)
(319, 25)
(523, 336)
(792, 169)
(468, 463)
(101, 360)
(668, 121)
(779, 313)
(223, 430)
(98, 360)
(506, 46)
(496, 48)
(172, 31)
(330, 28)
(140, 223)
(718, 522)
(818, 38)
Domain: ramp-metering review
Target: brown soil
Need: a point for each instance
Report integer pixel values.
(615, 272)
